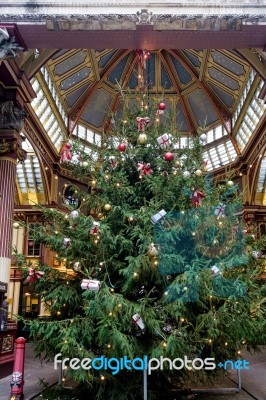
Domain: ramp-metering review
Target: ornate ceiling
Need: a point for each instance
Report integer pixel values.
(202, 86)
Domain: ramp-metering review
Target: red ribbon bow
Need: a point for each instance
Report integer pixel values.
(65, 153)
(34, 275)
(142, 122)
(196, 198)
(145, 168)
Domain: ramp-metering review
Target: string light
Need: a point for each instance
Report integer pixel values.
(135, 274)
(109, 346)
(226, 344)
(102, 378)
(164, 344)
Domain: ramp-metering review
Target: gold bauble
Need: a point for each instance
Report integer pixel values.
(143, 138)
(107, 207)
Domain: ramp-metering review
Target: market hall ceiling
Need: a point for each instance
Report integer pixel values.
(202, 86)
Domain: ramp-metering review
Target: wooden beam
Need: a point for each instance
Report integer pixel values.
(254, 61)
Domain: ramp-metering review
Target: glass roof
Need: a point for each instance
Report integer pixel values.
(29, 177)
(77, 91)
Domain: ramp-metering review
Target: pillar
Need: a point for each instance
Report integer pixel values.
(10, 151)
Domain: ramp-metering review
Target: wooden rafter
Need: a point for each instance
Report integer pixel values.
(165, 61)
(77, 112)
(203, 64)
(222, 113)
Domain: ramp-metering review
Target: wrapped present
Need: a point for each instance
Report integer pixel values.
(219, 210)
(65, 154)
(145, 169)
(157, 217)
(142, 122)
(34, 275)
(112, 161)
(66, 242)
(95, 228)
(197, 198)
(215, 271)
(74, 214)
(164, 140)
(139, 321)
(90, 284)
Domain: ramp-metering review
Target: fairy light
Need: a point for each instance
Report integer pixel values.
(109, 346)
(239, 352)
(110, 314)
(182, 319)
(166, 293)
(155, 262)
(164, 344)
(118, 184)
(112, 290)
(93, 182)
(56, 232)
(102, 378)
(101, 264)
(135, 274)
(58, 312)
(193, 233)
(226, 344)
(210, 341)
(131, 219)
(119, 305)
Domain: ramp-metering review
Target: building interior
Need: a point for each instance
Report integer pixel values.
(69, 83)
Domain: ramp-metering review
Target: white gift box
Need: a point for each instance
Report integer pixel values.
(164, 140)
(157, 217)
(215, 271)
(219, 210)
(138, 320)
(66, 242)
(90, 285)
(74, 214)
(95, 228)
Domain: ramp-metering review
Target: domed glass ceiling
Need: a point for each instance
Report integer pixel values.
(206, 88)
(202, 86)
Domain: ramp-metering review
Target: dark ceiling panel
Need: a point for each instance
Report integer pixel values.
(181, 120)
(202, 108)
(183, 75)
(72, 80)
(228, 63)
(70, 63)
(72, 97)
(97, 108)
(226, 97)
(219, 76)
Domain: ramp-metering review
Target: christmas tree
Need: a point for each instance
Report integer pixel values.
(162, 264)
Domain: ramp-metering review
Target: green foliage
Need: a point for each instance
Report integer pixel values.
(186, 309)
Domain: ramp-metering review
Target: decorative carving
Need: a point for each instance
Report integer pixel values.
(144, 17)
(12, 146)
(11, 117)
(8, 46)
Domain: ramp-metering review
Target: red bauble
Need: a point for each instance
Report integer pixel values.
(161, 106)
(122, 147)
(168, 156)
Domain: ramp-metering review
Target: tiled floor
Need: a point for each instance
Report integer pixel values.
(253, 381)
